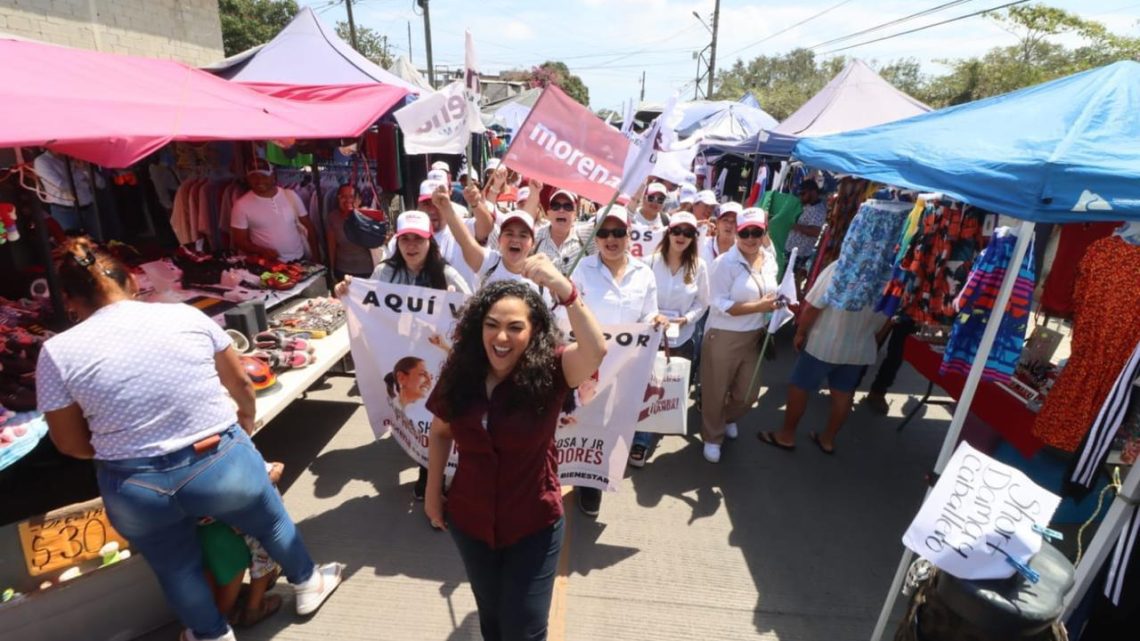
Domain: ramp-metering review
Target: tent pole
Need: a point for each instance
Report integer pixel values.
(950, 443)
(1104, 540)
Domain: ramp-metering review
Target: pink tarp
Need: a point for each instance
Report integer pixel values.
(113, 110)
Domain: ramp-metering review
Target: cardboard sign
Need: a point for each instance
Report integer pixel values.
(66, 537)
(979, 513)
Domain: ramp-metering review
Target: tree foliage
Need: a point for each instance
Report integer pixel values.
(369, 42)
(552, 73)
(785, 82)
(248, 23)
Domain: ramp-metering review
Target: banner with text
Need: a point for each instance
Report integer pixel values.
(399, 335)
(596, 428)
(980, 516)
(564, 144)
(644, 240)
(440, 122)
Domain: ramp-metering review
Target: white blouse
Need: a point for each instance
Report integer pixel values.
(734, 281)
(676, 298)
(633, 300)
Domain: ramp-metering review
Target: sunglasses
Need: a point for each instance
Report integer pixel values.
(616, 233)
(687, 232)
(562, 206)
(751, 232)
(659, 199)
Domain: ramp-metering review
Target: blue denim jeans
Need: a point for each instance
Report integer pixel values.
(155, 502)
(513, 585)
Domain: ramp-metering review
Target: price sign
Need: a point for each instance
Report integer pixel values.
(66, 537)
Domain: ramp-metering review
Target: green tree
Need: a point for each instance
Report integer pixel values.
(370, 43)
(781, 83)
(248, 23)
(552, 73)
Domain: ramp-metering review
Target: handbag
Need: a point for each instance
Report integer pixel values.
(665, 406)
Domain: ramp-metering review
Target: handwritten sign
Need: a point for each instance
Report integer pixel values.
(980, 513)
(66, 537)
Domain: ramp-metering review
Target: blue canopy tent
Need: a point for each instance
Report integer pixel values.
(1060, 152)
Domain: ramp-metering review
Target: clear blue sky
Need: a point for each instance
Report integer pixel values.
(610, 42)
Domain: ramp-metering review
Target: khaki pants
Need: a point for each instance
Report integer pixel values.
(728, 360)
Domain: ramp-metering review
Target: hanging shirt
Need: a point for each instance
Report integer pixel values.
(732, 281)
(632, 300)
(676, 298)
(52, 172)
(273, 223)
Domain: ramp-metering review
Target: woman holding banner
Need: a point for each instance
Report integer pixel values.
(417, 261)
(743, 292)
(618, 290)
(498, 400)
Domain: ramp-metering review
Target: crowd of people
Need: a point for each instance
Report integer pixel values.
(170, 452)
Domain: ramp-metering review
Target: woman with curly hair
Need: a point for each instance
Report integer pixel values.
(498, 399)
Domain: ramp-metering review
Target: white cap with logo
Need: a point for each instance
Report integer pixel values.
(427, 188)
(413, 222)
(688, 194)
(752, 217)
(706, 197)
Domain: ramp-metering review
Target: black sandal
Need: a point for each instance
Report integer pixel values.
(769, 438)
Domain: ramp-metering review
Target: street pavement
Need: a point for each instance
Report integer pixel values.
(768, 544)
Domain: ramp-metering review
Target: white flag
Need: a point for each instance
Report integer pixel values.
(471, 67)
(642, 154)
(440, 122)
(628, 112)
(787, 292)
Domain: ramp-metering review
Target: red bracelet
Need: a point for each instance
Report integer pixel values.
(571, 298)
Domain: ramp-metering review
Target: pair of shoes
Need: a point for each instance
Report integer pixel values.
(589, 500)
(638, 454)
(712, 452)
(420, 488)
(769, 438)
(877, 403)
(313, 592)
(187, 635)
(731, 430)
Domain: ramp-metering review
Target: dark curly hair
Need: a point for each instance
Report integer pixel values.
(463, 377)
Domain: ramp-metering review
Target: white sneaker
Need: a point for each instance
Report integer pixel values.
(712, 452)
(731, 431)
(312, 593)
(188, 635)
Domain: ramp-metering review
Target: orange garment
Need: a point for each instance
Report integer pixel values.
(1106, 328)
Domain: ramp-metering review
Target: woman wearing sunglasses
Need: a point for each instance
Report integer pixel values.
(563, 239)
(617, 289)
(742, 287)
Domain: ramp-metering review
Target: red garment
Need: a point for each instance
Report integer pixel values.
(1106, 328)
(1057, 298)
(382, 147)
(506, 486)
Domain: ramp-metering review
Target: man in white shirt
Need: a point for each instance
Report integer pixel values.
(835, 344)
(270, 221)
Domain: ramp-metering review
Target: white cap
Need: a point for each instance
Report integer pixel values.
(682, 218)
(524, 193)
(438, 175)
(619, 213)
(752, 217)
(655, 188)
(688, 194)
(493, 164)
(706, 197)
(730, 207)
(518, 214)
(427, 188)
(413, 222)
(563, 192)
(473, 174)
(441, 166)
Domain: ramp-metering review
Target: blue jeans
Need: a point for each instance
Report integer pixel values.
(513, 585)
(155, 502)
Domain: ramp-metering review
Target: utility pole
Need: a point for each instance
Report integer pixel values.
(409, 41)
(712, 49)
(642, 86)
(351, 25)
(427, 40)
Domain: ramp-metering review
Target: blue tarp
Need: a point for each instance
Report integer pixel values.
(1062, 151)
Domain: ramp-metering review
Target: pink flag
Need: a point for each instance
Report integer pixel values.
(564, 144)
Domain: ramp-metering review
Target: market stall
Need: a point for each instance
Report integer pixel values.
(1064, 166)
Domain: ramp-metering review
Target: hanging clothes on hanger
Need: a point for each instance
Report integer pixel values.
(975, 305)
(1057, 297)
(865, 259)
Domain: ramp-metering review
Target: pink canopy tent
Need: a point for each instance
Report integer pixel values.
(114, 110)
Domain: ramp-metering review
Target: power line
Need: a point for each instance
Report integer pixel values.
(907, 18)
(923, 28)
(787, 29)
